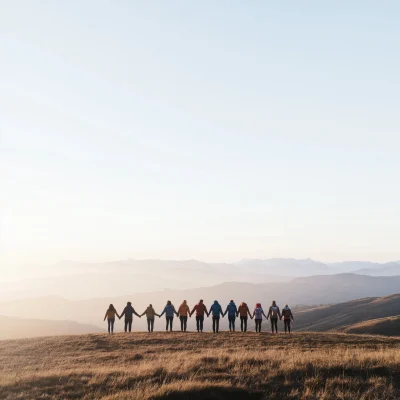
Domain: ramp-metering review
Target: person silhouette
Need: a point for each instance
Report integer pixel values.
(231, 310)
(150, 313)
(274, 313)
(110, 315)
(169, 312)
(200, 310)
(128, 312)
(243, 311)
(257, 315)
(216, 311)
(184, 312)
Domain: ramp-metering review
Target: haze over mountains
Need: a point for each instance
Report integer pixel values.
(90, 280)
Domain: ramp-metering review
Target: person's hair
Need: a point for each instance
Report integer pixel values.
(201, 300)
(111, 308)
(184, 302)
(273, 302)
(286, 305)
(150, 305)
(231, 301)
(258, 305)
(129, 303)
(169, 302)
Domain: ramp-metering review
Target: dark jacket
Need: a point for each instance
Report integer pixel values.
(287, 313)
(128, 312)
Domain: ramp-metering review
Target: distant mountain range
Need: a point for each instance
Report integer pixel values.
(323, 289)
(89, 280)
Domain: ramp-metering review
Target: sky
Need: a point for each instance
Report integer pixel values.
(208, 130)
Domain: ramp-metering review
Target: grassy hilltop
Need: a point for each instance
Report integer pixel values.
(201, 366)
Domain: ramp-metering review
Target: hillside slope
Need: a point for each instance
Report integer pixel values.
(201, 366)
(338, 316)
(389, 326)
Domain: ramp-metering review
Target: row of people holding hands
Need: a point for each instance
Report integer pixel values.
(200, 310)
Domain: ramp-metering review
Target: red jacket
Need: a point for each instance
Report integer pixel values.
(200, 309)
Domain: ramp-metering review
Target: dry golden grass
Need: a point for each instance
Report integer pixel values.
(201, 366)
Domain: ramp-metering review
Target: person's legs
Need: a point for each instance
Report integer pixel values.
(214, 323)
(112, 325)
(167, 323)
(148, 324)
(233, 323)
(109, 325)
(274, 325)
(201, 322)
(287, 322)
(130, 325)
(258, 324)
(181, 319)
(241, 323)
(197, 323)
(152, 324)
(217, 324)
(245, 323)
(185, 323)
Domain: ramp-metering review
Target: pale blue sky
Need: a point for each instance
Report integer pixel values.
(209, 130)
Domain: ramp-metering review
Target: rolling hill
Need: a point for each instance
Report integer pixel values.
(389, 326)
(351, 315)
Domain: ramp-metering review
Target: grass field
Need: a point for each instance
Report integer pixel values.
(201, 366)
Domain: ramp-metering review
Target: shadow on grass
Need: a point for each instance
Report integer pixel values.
(212, 393)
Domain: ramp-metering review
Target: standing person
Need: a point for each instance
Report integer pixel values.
(257, 315)
(128, 312)
(287, 317)
(231, 310)
(110, 315)
(274, 313)
(150, 314)
(169, 312)
(184, 312)
(243, 311)
(200, 309)
(216, 311)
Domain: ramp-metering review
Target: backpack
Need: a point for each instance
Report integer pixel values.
(258, 313)
(274, 312)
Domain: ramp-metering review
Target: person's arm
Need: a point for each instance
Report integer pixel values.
(254, 313)
(117, 314)
(248, 311)
(279, 314)
(173, 308)
(105, 315)
(123, 313)
(220, 310)
(144, 312)
(165, 309)
(291, 315)
(269, 312)
(194, 309)
(136, 313)
(264, 314)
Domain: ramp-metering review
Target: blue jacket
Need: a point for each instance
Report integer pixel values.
(169, 311)
(216, 309)
(231, 309)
